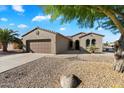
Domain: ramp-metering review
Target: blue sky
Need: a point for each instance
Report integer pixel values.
(26, 17)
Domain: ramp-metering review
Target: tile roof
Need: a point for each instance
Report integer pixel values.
(68, 37)
(78, 34)
(44, 30)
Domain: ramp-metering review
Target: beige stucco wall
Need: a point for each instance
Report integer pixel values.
(90, 37)
(62, 44)
(10, 46)
(42, 35)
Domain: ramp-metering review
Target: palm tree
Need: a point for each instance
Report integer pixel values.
(7, 36)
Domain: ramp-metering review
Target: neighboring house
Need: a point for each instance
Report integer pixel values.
(11, 46)
(45, 41)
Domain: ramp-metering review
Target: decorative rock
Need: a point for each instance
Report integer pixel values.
(69, 81)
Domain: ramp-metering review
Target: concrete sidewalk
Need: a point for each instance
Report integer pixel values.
(12, 61)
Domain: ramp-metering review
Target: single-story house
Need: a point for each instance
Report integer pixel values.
(41, 40)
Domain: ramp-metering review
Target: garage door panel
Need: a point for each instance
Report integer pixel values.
(40, 46)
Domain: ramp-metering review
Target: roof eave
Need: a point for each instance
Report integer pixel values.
(40, 29)
(91, 33)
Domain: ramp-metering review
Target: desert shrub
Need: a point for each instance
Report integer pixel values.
(92, 49)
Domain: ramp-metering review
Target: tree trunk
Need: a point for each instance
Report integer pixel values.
(119, 56)
(4, 47)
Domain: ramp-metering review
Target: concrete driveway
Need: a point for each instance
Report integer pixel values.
(12, 61)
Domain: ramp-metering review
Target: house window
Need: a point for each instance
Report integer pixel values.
(87, 42)
(93, 42)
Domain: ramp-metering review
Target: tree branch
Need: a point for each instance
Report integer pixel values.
(116, 12)
(112, 16)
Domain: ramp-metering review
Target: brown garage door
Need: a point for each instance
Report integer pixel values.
(39, 46)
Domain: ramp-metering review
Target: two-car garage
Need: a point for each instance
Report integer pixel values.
(39, 46)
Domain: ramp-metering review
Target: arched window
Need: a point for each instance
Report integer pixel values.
(93, 42)
(87, 42)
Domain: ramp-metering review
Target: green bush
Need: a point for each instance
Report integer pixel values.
(92, 49)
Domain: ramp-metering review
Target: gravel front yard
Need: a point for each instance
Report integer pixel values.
(46, 72)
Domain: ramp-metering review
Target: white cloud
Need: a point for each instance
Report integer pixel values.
(3, 7)
(48, 16)
(11, 24)
(40, 17)
(22, 26)
(62, 28)
(3, 19)
(18, 8)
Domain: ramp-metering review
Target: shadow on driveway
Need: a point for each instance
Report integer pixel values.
(10, 52)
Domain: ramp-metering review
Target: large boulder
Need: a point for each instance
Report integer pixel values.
(69, 81)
